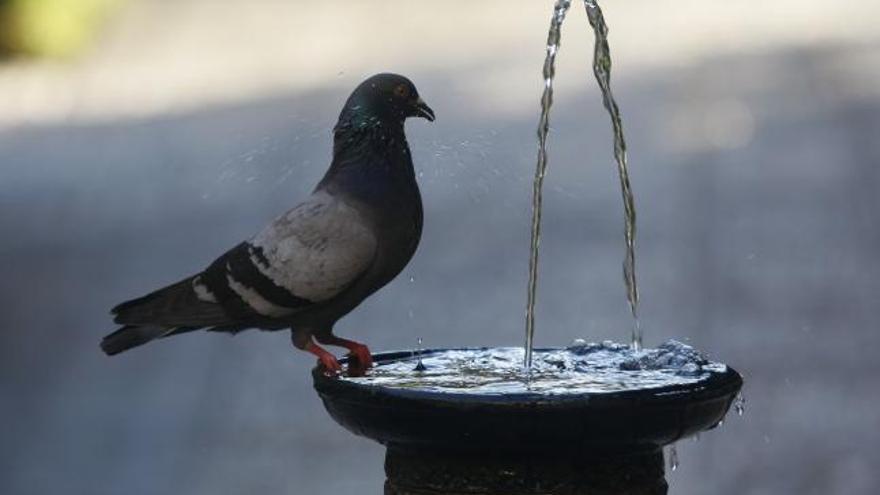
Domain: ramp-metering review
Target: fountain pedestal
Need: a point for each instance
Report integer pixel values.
(412, 472)
(442, 443)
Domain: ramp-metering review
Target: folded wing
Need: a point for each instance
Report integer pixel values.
(307, 256)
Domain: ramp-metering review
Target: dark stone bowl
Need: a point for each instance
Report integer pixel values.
(524, 423)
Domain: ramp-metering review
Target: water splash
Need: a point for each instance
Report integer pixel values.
(602, 71)
(673, 458)
(549, 72)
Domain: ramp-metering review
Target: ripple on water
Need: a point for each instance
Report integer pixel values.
(581, 368)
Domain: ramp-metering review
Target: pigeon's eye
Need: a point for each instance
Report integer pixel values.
(401, 91)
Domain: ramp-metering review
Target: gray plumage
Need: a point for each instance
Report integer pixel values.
(315, 263)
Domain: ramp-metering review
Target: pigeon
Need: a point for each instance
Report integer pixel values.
(318, 261)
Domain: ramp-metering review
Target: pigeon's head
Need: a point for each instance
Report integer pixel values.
(385, 98)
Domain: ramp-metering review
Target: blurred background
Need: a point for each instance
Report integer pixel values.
(139, 139)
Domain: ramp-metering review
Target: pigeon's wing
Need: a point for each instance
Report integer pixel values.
(176, 305)
(307, 256)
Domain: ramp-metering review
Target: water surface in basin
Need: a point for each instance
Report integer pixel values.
(578, 369)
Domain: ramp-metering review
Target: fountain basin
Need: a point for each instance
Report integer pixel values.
(628, 421)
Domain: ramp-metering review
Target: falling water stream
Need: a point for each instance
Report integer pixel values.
(602, 72)
(549, 71)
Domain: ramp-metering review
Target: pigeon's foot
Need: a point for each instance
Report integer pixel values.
(359, 360)
(361, 353)
(360, 357)
(327, 360)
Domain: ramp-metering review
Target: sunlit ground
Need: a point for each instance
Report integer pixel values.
(158, 57)
(755, 166)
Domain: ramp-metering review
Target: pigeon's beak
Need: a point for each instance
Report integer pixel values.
(423, 110)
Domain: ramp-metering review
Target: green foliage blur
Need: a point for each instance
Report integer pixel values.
(50, 28)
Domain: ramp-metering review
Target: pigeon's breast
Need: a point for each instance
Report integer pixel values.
(399, 227)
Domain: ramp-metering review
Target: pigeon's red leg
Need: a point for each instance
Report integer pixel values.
(325, 358)
(360, 351)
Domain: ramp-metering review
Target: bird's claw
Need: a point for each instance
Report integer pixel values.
(362, 354)
(325, 359)
(360, 359)
(330, 364)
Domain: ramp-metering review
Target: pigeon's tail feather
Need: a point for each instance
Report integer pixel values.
(135, 335)
(173, 306)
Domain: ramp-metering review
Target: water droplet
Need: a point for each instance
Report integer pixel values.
(673, 458)
(740, 404)
(412, 279)
(420, 366)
